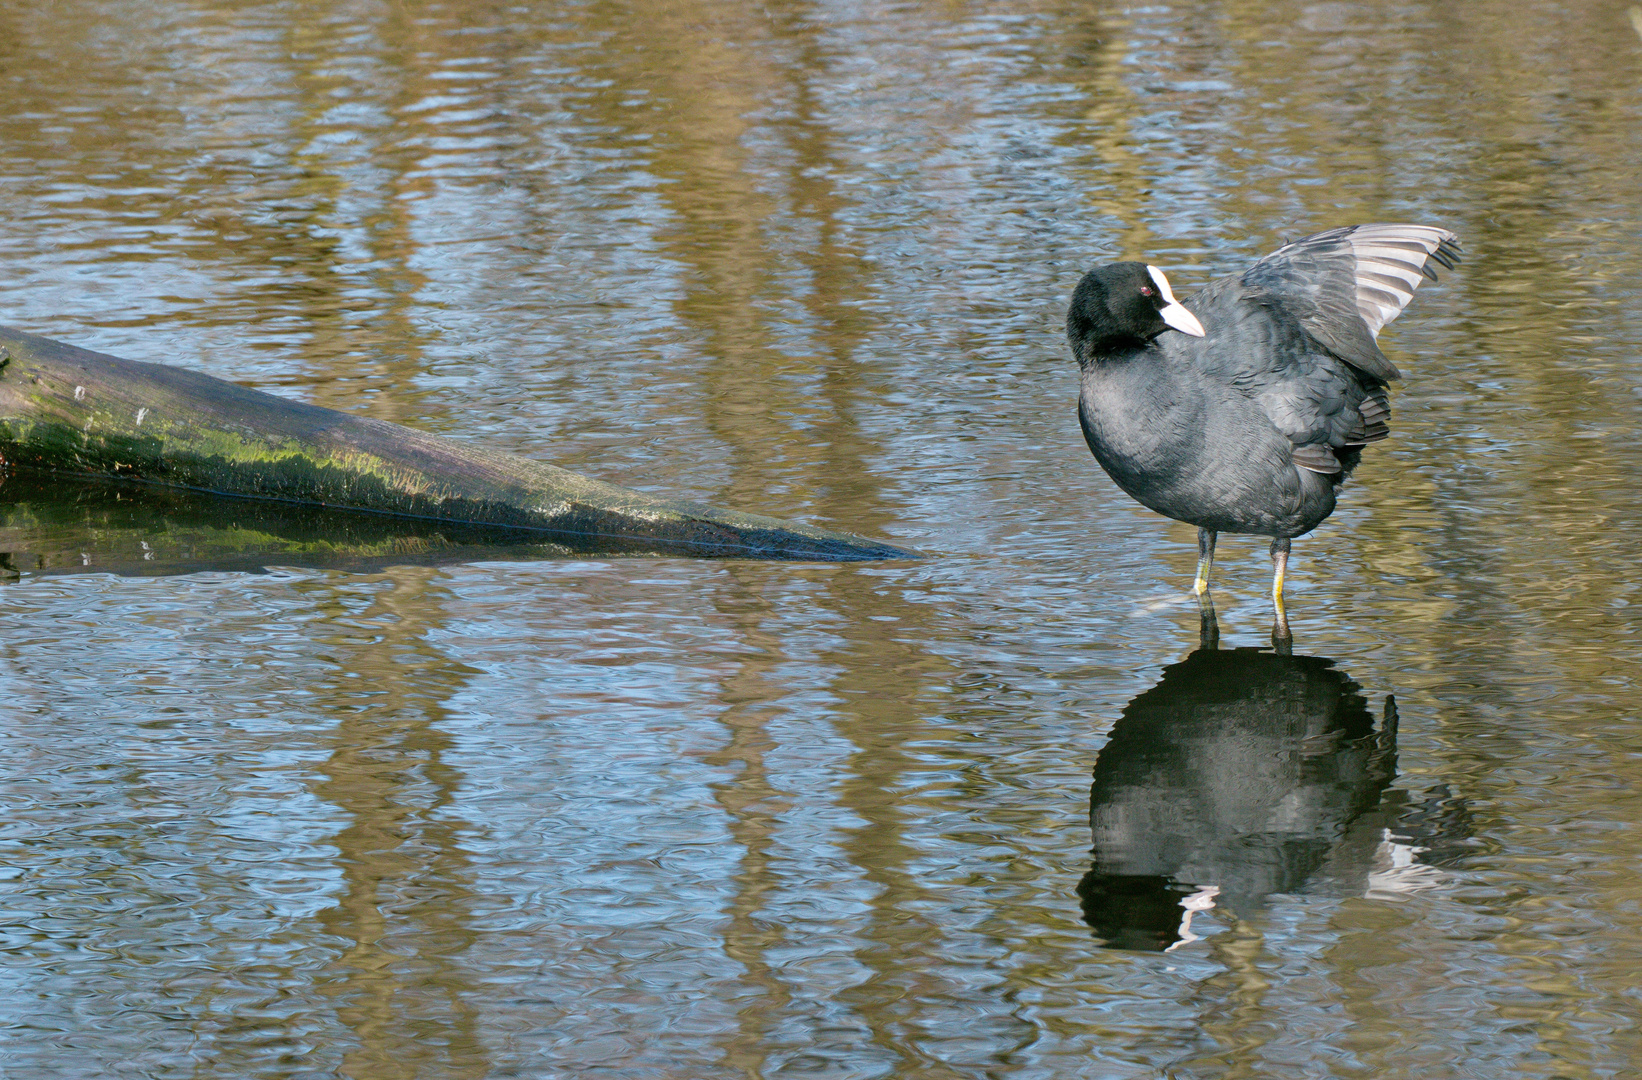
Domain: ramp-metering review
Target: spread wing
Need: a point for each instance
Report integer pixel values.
(1296, 332)
(1343, 285)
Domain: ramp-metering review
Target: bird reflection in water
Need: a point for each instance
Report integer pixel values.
(1244, 773)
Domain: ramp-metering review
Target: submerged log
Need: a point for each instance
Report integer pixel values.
(70, 410)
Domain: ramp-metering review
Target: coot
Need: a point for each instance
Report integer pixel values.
(1252, 413)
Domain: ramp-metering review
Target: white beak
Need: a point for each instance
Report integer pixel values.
(1172, 312)
(1182, 320)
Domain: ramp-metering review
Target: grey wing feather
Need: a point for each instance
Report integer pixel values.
(1322, 406)
(1372, 412)
(1316, 457)
(1344, 285)
(1296, 332)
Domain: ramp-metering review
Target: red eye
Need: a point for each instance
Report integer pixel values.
(1145, 290)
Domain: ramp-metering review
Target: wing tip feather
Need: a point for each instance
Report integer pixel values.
(1383, 247)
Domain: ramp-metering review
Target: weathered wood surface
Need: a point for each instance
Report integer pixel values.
(71, 410)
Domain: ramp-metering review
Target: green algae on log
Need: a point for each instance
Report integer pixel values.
(70, 410)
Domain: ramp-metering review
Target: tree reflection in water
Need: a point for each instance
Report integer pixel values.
(1244, 773)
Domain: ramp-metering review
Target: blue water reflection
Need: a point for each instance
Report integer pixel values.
(665, 818)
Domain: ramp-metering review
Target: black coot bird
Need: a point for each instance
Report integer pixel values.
(1249, 417)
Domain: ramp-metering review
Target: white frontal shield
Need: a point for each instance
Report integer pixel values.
(1172, 312)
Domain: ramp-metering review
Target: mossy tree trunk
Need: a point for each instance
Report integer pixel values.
(66, 409)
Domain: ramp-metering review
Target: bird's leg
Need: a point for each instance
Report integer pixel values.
(1280, 635)
(1205, 560)
(1208, 626)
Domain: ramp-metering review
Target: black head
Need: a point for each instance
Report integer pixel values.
(1123, 306)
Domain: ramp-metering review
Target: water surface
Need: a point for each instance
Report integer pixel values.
(489, 813)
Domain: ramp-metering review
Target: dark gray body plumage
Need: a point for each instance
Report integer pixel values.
(1253, 427)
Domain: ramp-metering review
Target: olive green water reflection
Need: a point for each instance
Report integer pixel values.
(51, 524)
(665, 818)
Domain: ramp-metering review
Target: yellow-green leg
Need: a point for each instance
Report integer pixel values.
(1280, 635)
(1208, 626)
(1205, 560)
